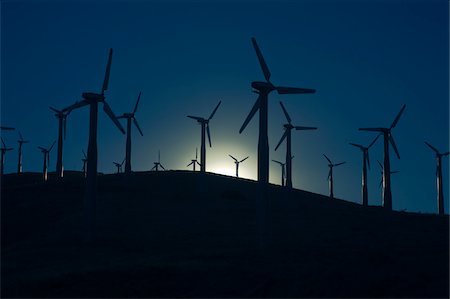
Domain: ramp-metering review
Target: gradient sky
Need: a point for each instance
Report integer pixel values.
(365, 59)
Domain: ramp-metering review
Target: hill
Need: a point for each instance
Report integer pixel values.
(183, 234)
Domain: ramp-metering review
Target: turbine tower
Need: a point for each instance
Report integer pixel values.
(382, 176)
(194, 161)
(236, 161)
(19, 160)
(4, 149)
(283, 171)
(330, 174)
(440, 191)
(46, 153)
(388, 138)
(158, 164)
(130, 117)
(205, 128)
(61, 115)
(287, 135)
(84, 160)
(93, 99)
(263, 88)
(366, 164)
(119, 166)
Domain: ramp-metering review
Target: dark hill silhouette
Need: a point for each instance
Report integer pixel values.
(188, 234)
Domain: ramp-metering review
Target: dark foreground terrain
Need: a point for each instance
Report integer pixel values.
(180, 234)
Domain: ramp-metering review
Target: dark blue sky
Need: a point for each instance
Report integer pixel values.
(365, 58)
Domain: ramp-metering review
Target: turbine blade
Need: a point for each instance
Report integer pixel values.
(190, 164)
(395, 171)
(154, 167)
(381, 165)
(381, 182)
(162, 166)
(302, 128)
(285, 113)
(282, 138)
(65, 127)
(328, 159)
(107, 72)
(196, 117)
(137, 126)
(196, 153)
(277, 162)
(6, 128)
(76, 105)
(398, 117)
(262, 62)
(137, 103)
(373, 142)
(111, 115)
(41, 148)
(243, 159)
(293, 90)
(3, 143)
(368, 160)
(84, 154)
(373, 129)
(357, 145)
(391, 140)
(233, 157)
(54, 109)
(53, 144)
(432, 147)
(339, 164)
(250, 115)
(214, 111)
(20, 136)
(209, 134)
(446, 154)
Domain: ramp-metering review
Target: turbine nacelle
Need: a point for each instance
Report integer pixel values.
(93, 97)
(263, 87)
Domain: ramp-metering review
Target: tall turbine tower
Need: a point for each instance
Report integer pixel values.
(261, 104)
(330, 174)
(440, 191)
(237, 162)
(19, 160)
(287, 135)
(46, 153)
(205, 129)
(61, 115)
(365, 163)
(84, 160)
(129, 117)
(388, 138)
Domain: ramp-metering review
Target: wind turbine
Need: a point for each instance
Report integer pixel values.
(440, 191)
(93, 99)
(119, 166)
(4, 149)
(287, 135)
(19, 160)
(236, 161)
(158, 164)
(194, 161)
(388, 138)
(46, 153)
(61, 115)
(366, 164)
(261, 104)
(204, 127)
(283, 165)
(330, 174)
(84, 159)
(129, 117)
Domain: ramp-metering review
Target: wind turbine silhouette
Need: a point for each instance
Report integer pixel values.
(119, 166)
(46, 153)
(204, 126)
(19, 160)
(84, 159)
(388, 138)
(237, 164)
(261, 104)
(287, 135)
(440, 191)
(92, 99)
(283, 165)
(4, 149)
(366, 164)
(158, 164)
(193, 162)
(330, 174)
(129, 117)
(61, 115)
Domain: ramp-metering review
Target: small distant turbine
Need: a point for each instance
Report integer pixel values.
(205, 129)
(84, 160)
(4, 149)
(194, 161)
(283, 172)
(119, 166)
(366, 164)
(287, 135)
(61, 115)
(330, 174)
(158, 164)
(440, 191)
(19, 160)
(237, 164)
(388, 138)
(129, 117)
(46, 153)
